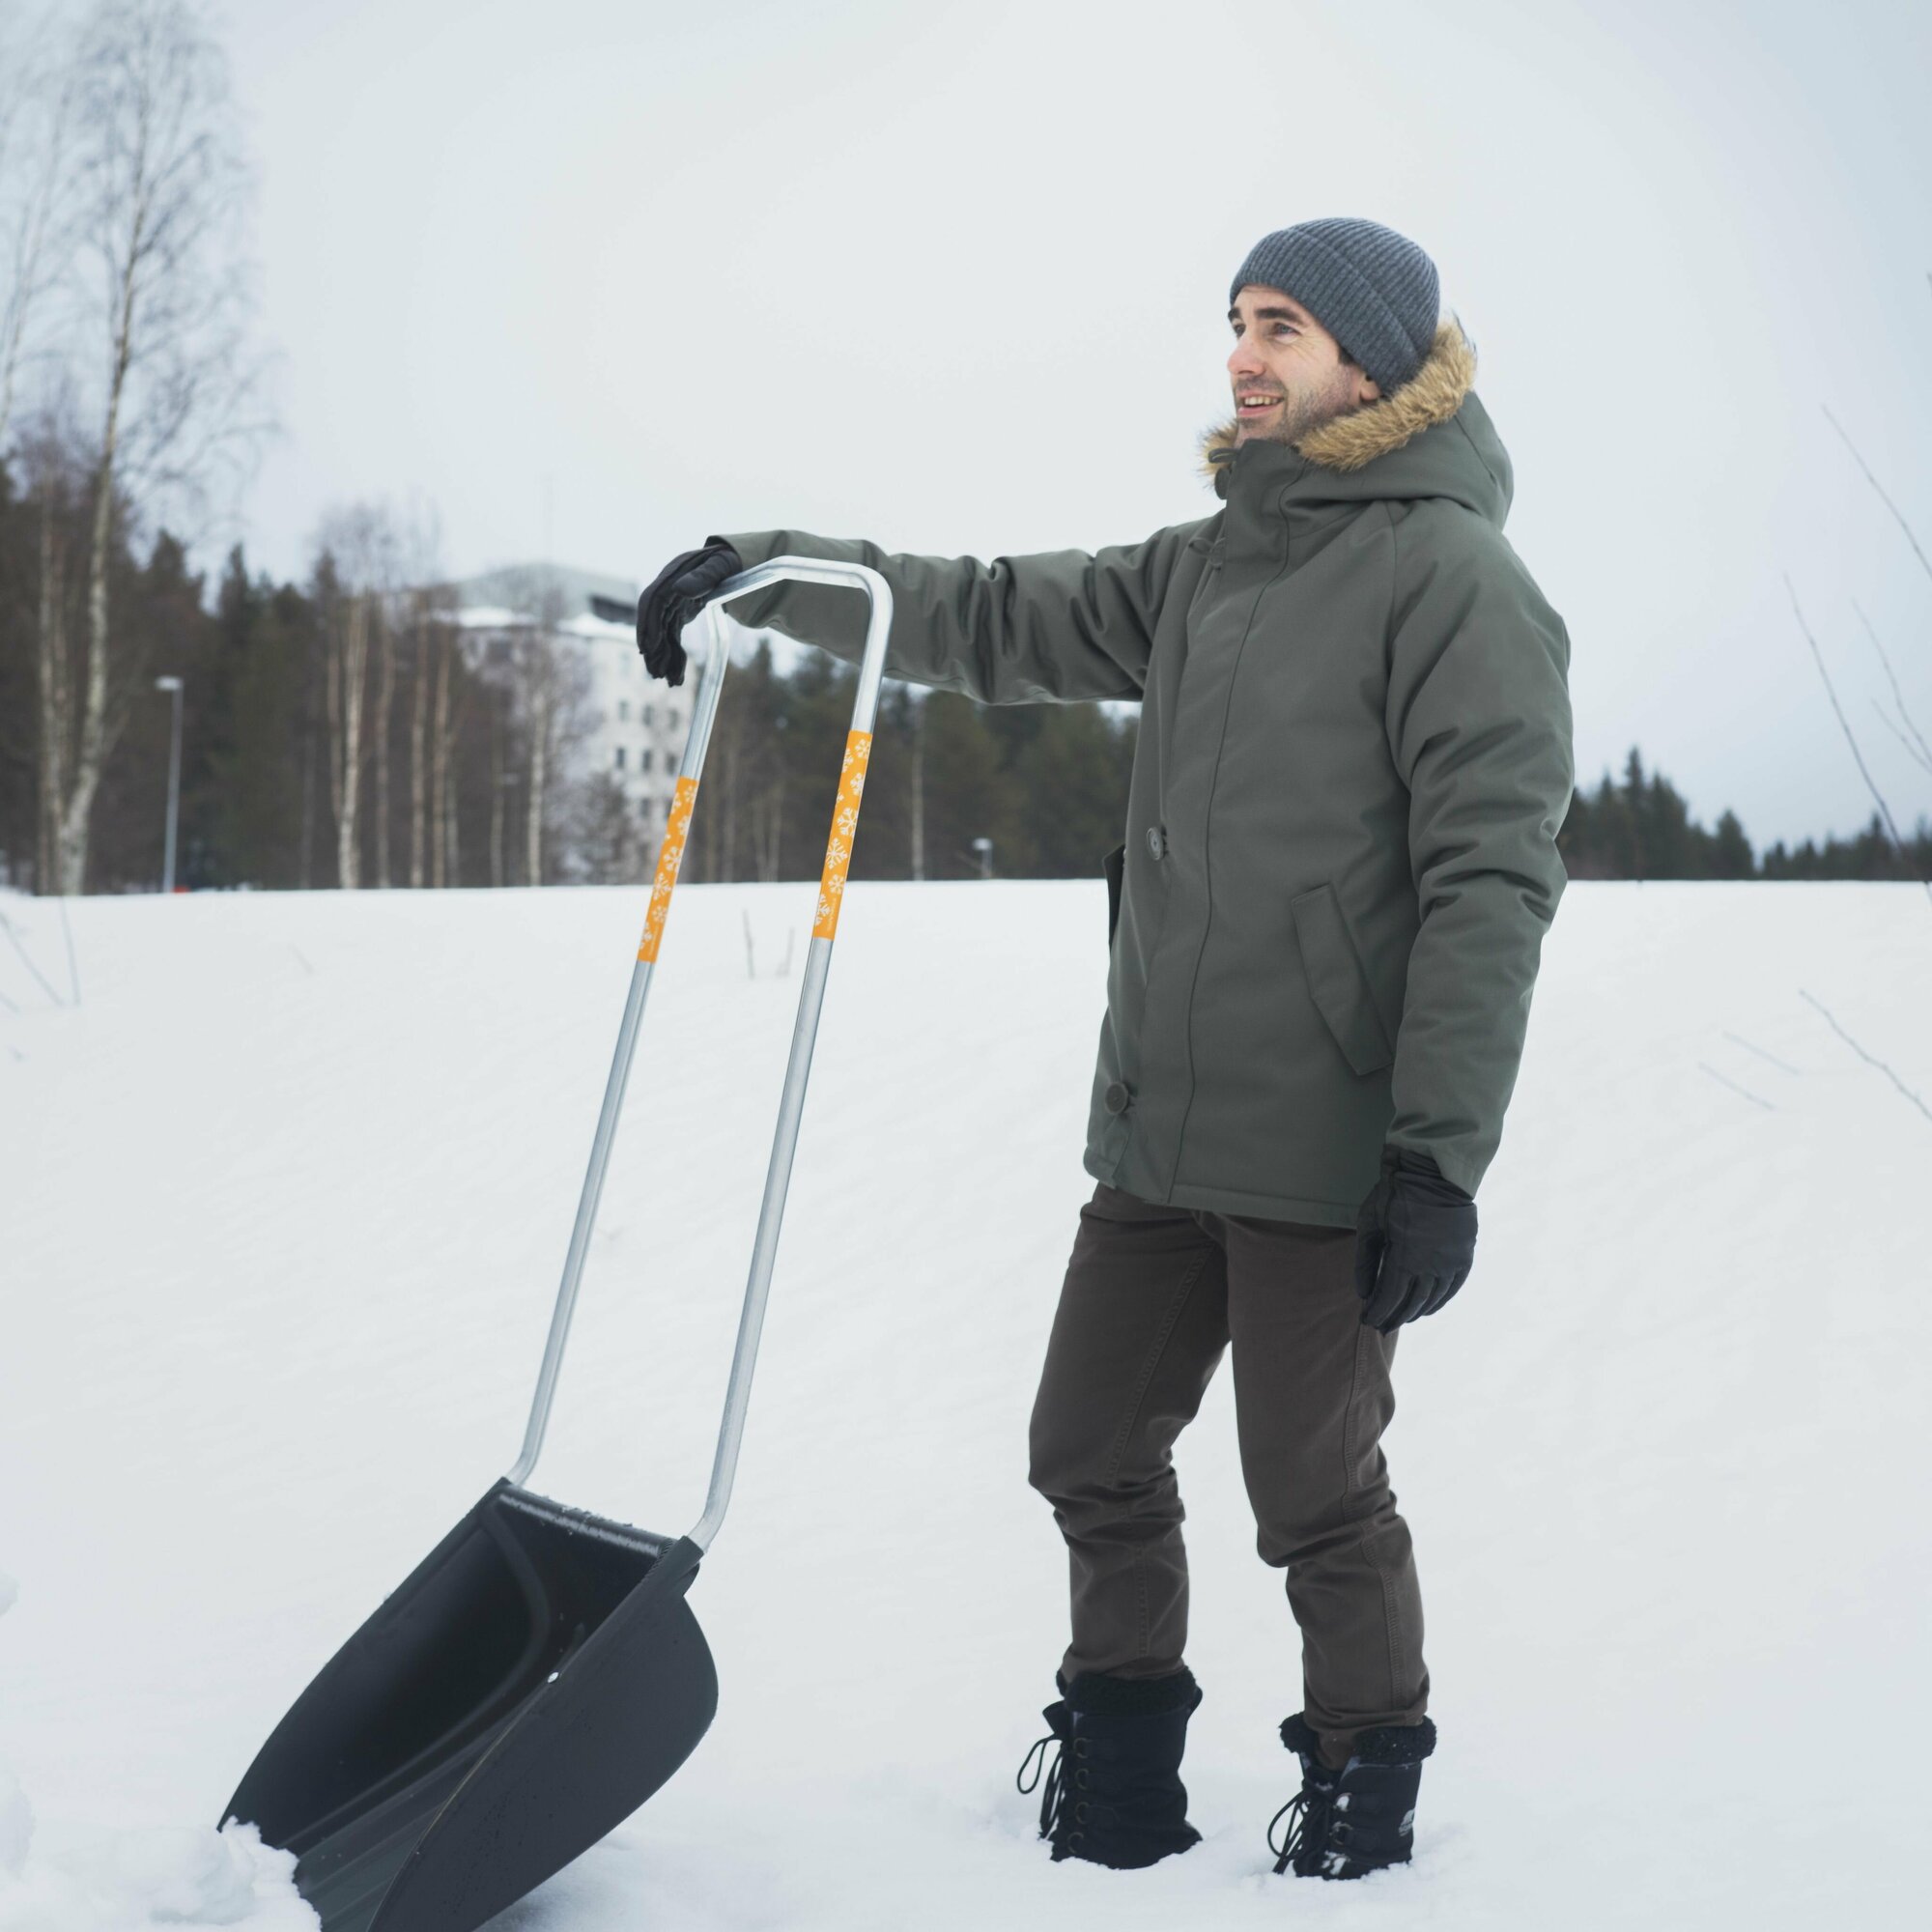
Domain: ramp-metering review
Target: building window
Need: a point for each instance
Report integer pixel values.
(645, 760)
(623, 710)
(620, 757)
(647, 714)
(670, 718)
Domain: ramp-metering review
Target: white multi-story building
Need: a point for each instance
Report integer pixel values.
(637, 724)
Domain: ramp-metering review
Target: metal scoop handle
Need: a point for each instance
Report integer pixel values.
(811, 998)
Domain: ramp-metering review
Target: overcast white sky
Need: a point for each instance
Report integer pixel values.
(600, 277)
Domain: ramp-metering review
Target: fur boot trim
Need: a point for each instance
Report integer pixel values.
(1099, 1694)
(1396, 1744)
(1298, 1735)
(1384, 1744)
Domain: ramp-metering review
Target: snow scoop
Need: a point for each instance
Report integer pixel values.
(540, 1673)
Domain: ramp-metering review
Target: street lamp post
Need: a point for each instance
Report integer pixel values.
(172, 685)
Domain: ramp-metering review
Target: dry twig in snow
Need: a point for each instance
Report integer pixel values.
(26, 959)
(1870, 1060)
(1723, 1080)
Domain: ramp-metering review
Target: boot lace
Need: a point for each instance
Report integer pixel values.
(1051, 1775)
(1307, 1813)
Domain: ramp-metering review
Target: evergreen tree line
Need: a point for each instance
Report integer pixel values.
(441, 752)
(1641, 828)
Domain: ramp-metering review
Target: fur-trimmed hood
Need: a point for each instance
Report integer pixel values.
(1464, 459)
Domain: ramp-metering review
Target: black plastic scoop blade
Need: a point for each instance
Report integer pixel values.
(532, 1683)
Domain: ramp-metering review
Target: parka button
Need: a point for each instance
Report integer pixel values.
(1118, 1097)
(1157, 840)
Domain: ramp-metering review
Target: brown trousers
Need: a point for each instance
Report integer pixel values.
(1151, 1298)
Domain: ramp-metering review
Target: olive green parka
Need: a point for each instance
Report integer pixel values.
(1354, 756)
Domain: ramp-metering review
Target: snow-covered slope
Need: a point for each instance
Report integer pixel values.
(284, 1201)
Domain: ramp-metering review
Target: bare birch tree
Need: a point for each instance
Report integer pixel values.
(445, 719)
(51, 664)
(356, 575)
(539, 672)
(157, 282)
(422, 641)
(56, 487)
(348, 644)
(549, 680)
(386, 697)
(426, 602)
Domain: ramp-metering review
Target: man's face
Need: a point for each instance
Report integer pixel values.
(1287, 370)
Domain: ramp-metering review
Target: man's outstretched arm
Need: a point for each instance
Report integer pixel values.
(1055, 626)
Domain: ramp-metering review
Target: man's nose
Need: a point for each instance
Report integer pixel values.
(1244, 361)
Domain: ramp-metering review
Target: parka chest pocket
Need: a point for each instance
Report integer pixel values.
(1337, 983)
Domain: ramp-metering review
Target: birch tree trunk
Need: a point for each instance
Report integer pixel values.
(348, 666)
(440, 839)
(305, 865)
(56, 707)
(386, 693)
(451, 829)
(96, 740)
(419, 775)
(497, 775)
(542, 695)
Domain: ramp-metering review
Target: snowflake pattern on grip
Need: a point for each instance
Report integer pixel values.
(844, 830)
(671, 856)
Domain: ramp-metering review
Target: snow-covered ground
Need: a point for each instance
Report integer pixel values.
(282, 1203)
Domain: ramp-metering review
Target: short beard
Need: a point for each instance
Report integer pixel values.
(1306, 411)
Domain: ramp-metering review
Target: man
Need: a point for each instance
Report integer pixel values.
(1354, 756)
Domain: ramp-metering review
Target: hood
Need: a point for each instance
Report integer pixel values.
(1430, 438)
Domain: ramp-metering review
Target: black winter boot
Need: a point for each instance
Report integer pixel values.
(1112, 1793)
(1343, 1824)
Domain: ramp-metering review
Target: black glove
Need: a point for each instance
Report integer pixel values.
(681, 588)
(1415, 1241)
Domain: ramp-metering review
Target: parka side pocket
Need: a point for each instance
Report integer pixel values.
(1115, 866)
(1336, 980)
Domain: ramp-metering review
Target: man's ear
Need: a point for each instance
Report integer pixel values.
(1365, 388)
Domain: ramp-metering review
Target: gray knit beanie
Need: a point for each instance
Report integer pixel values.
(1372, 290)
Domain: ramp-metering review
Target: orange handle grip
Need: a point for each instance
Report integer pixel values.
(844, 828)
(671, 856)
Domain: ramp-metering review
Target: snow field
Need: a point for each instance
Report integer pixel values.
(282, 1205)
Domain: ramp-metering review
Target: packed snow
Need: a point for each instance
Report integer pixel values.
(287, 1182)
